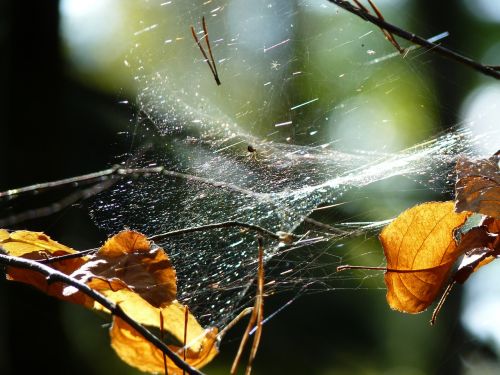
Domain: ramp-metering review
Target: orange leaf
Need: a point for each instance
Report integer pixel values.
(23, 242)
(420, 251)
(39, 246)
(478, 186)
(137, 352)
(128, 260)
(131, 271)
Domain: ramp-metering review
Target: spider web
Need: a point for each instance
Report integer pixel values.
(320, 97)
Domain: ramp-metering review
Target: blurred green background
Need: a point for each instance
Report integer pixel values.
(60, 95)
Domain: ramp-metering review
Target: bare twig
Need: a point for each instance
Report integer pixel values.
(186, 317)
(90, 178)
(210, 61)
(53, 275)
(329, 228)
(446, 52)
(100, 181)
(224, 224)
(440, 304)
(387, 34)
(162, 334)
(53, 208)
(280, 236)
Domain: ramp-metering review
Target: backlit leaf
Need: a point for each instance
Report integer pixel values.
(132, 272)
(129, 260)
(136, 274)
(22, 242)
(134, 350)
(420, 250)
(39, 246)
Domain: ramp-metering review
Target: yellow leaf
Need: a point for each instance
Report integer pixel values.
(420, 250)
(134, 350)
(23, 242)
(135, 274)
(39, 246)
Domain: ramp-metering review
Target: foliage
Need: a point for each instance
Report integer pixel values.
(131, 272)
(423, 243)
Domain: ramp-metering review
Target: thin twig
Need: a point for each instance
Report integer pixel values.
(387, 34)
(259, 304)
(233, 322)
(211, 61)
(162, 335)
(101, 181)
(281, 236)
(184, 348)
(207, 40)
(329, 228)
(60, 258)
(224, 224)
(394, 270)
(86, 179)
(53, 275)
(440, 304)
(448, 53)
(58, 206)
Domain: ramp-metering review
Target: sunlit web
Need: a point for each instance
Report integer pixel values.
(305, 85)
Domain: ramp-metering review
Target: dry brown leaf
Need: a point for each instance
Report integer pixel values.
(478, 186)
(420, 250)
(481, 246)
(137, 352)
(129, 260)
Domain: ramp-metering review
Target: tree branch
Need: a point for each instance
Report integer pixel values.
(448, 53)
(224, 224)
(279, 236)
(95, 177)
(56, 276)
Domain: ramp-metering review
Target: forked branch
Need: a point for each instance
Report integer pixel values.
(210, 61)
(488, 70)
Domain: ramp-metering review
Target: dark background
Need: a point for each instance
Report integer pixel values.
(54, 126)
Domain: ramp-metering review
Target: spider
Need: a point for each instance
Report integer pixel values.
(252, 153)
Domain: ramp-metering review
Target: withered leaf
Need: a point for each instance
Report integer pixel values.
(129, 260)
(420, 250)
(478, 186)
(481, 246)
